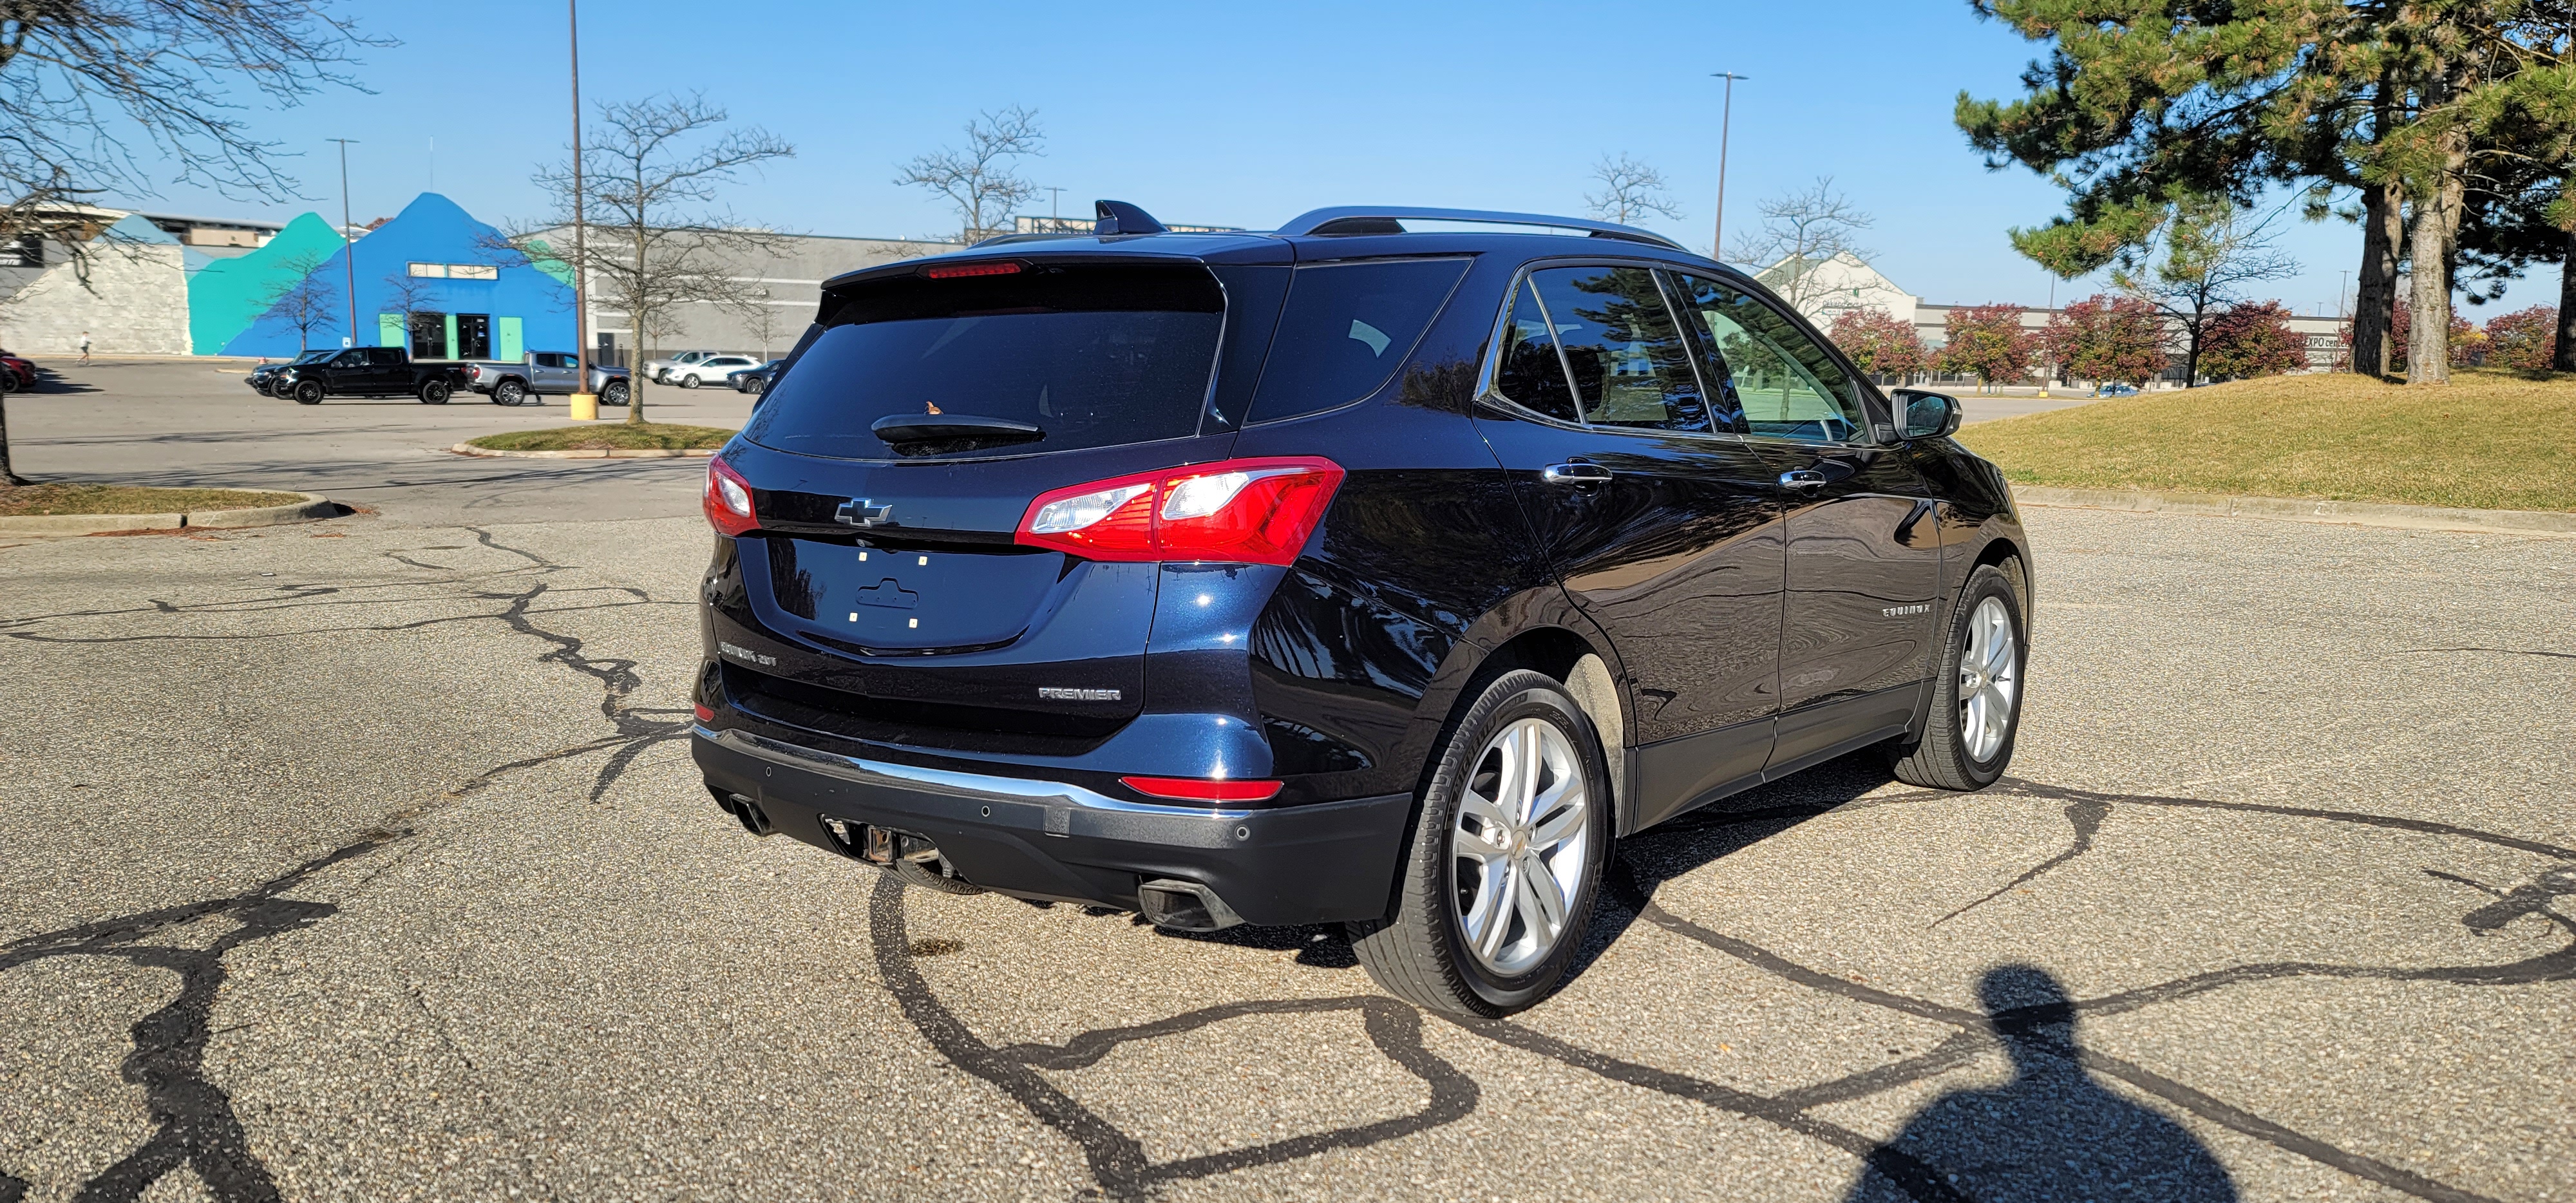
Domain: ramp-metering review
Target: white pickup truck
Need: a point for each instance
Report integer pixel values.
(542, 373)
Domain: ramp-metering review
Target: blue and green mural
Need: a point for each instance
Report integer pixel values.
(432, 279)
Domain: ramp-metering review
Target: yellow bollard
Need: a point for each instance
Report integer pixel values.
(585, 407)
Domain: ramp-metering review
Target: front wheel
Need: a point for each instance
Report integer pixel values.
(1506, 859)
(509, 392)
(1976, 694)
(308, 393)
(614, 394)
(434, 392)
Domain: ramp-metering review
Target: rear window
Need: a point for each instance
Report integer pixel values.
(1346, 328)
(1092, 355)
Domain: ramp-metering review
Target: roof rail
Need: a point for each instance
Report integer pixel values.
(1375, 219)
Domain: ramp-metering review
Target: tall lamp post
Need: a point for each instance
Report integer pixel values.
(348, 245)
(1725, 126)
(585, 404)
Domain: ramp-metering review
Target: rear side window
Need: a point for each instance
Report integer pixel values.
(1531, 375)
(1092, 355)
(1345, 330)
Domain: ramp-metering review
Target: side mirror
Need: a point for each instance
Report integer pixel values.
(1922, 415)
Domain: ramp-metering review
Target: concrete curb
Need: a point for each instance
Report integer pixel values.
(640, 453)
(313, 508)
(2349, 513)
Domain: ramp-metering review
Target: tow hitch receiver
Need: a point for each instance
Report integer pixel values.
(878, 845)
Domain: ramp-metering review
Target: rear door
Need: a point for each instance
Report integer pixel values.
(885, 585)
(1864, 561)
(1661, 522)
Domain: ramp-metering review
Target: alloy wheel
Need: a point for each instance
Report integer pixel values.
(1519, 845)
(1989, 680)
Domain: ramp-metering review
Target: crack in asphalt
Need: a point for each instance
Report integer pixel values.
(194, 1123)
(193, 1119)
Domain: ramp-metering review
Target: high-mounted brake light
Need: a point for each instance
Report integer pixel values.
(728, 499)
(1239, 511)
(1196, 789)
(1004, 267)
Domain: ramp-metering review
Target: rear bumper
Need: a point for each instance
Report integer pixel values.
(1318, 863)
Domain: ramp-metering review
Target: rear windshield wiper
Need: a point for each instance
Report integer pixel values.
(922, 428)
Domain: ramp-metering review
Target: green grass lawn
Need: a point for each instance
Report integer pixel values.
(608, 436)
(30, 500)
(2489, 440)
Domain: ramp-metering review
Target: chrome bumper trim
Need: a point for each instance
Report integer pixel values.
(968, 785)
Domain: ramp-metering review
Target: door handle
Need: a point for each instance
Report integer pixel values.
(1802, 478)
(1574, 472)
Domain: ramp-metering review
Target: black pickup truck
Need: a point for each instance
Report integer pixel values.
(366, 372)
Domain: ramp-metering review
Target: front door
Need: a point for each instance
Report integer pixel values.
(1864, 558)
(1662, 524)
(473, 336)
(429, 336)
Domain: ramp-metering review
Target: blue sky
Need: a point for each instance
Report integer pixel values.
(1236, 115)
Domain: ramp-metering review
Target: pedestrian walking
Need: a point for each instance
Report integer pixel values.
(84, 346)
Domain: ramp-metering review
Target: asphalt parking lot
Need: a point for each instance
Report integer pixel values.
(364, 860)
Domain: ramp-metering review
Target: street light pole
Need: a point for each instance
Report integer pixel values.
(582, 398)
(1725, 127)
(348, 245)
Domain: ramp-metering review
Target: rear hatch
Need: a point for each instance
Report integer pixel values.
(899, 447)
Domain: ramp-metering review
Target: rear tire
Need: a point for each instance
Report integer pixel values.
(689, 381)
(308, 393)
(434, 392)
(1518, 811)
(1977, 689)
(510, 393)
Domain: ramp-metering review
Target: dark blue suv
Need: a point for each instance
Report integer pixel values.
(1358, 572)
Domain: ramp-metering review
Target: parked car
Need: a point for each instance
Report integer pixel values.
(366, 372)
(754, 381)
(265, 375)
(1341, 574)
(2116, 390)
(543, 373)
(659, 370)
(711, 368)
(16, 373)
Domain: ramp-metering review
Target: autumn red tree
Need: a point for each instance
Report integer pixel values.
(2525, 340)
(1880, 343)
(2107, 337)
(1988, 342)
(2253, 339)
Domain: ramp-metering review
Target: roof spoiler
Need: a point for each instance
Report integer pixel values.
(1388, 219)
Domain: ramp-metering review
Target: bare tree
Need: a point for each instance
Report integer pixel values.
(2196, 265)
(305, 299)
(1629, 191)
(760, 318)
(655, 169)
(1801, 232)
(124, 96)
(977, 178)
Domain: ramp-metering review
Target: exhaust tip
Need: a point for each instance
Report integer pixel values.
(1170, 902)
(754, 819)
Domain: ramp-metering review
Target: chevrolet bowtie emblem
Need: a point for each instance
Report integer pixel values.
(860, 511)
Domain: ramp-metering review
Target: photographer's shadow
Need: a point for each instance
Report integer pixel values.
(2052, 1132)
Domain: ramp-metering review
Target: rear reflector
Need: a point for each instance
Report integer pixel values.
(1240, 511)
(953, 271)
(705, 715)
(728, 499)
(1195, 789)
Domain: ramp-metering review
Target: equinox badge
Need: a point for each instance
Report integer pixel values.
(861, 511)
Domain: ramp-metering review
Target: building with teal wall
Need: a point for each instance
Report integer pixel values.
(433, 280)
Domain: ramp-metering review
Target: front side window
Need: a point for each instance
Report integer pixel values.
(1787, 383)
(1630, 365)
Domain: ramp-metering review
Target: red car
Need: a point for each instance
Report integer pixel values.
(22, 374)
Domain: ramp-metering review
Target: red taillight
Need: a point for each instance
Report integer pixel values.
(705, 714)
(1194, 789)
(955, 270)
(728, 499)
(1240, 511)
